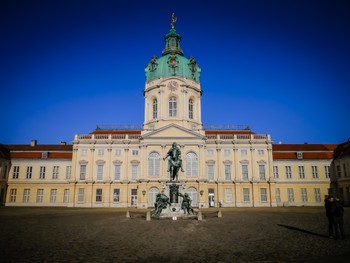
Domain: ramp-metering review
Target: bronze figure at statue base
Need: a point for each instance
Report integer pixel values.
(167, 203)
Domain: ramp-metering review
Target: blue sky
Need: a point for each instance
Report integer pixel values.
(281, 67)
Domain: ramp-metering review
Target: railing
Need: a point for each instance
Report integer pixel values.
(118, 136)
(84, 136)
(107, 137)
(243, 136)
(226, 127)
(108, 127)
(101, 136)
(238, 137)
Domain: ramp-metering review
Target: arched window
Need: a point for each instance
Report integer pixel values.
(172, 107)
(191, 164)
(155, 109)
(190, 109)
(153, 164)
(152, 195)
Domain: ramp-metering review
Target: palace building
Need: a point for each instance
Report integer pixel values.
(124, 167)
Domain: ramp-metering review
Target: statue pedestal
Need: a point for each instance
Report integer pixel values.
(172, 189)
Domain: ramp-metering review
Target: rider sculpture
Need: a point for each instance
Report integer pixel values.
(174, 162)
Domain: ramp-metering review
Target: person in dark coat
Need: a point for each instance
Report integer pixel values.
(329, 204)
(337, 211)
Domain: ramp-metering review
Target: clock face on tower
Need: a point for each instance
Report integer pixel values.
(172, 85)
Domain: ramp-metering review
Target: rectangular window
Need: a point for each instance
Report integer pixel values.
(317, 193)
(345, 170)
(98, 195)
(227, 172)
(42, 172)
(260, 152)
(53, 195)
(39, 195)
(244, 152)
(304, 195)
(210, 171)
(275, 172)
(245, 172)
(263, 195)
(100, 152)
(172, 107)
(288, 172)
(83, 152)
(13, 194)
(26, 193)
(29, 172)
(44, 155)
(228, 194)
(4, 174)
(81, 195)
(134, 172)
(118, 152)
(314, 172)
(262, 175)
(15, 172)
(135, 152)
(210, 152)
(117, 172)
(227, 152)
(116, 195)
(301, 172)
(278, 195)
(246, 197)
(290, 192)
(327, 171)
(338, 171)
(82, 172)
(55, 172)
(99, 176)
(68, 172)
(66, 196)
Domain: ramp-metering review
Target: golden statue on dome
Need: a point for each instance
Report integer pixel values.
(173, 20)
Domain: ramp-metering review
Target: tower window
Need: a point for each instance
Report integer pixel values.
(155, 109)
(190, 109)
(172, 107)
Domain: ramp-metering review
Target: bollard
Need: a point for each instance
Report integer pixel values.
(199, 216)
(148, 216)
(219, 213)
(127, 214)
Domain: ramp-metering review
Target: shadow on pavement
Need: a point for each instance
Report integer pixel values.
(302, 230)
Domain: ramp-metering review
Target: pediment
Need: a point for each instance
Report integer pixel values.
(172, 131)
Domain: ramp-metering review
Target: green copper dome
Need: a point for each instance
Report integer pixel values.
(172, 62)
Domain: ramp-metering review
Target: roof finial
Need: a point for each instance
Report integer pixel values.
(173, 20)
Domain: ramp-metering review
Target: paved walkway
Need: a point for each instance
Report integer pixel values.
(107, 235)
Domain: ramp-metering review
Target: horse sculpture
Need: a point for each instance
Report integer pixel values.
(175, 162)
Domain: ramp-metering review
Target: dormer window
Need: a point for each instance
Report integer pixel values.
(299, 155)
(44, 155)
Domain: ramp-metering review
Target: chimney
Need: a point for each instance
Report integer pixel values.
(63, 143)
(33, 143)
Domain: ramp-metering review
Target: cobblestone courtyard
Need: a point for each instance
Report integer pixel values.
(107, 235)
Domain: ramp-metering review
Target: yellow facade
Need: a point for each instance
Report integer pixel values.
(125, 168)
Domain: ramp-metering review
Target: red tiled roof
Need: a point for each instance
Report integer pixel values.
(342, 150)
(39, 147)
(309, 151)
(56, 151)
(304, 147)
(38, 155)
